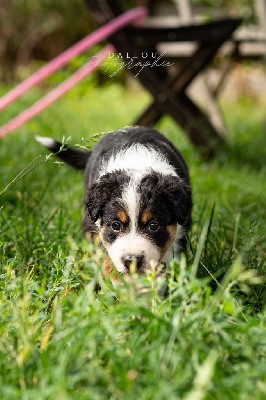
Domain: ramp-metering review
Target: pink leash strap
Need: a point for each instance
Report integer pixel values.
(137, 14)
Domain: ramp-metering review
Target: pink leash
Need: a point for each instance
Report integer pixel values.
(137, 15)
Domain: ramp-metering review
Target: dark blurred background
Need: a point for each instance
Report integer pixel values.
(38, 30)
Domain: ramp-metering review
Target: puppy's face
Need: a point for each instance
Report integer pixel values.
(138, 218)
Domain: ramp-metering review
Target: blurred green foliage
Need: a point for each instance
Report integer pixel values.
(39, 29)
(242, 8)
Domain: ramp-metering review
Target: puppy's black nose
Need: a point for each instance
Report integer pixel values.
(128, 260)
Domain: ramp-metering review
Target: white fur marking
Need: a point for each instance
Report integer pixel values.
(140, 158)
(133, 244)
(45, 141)
(131, 199)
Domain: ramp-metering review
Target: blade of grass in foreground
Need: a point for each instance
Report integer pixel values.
(202, 381)
(23, 173)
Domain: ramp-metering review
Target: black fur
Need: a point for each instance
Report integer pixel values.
(170, 200)
(109, 216)
(170, 192)
(108, 187)
(75, 158)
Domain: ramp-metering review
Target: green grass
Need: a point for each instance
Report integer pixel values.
(60, 339)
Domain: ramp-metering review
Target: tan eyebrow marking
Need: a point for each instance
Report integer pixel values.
(122, 216)
(146, 216)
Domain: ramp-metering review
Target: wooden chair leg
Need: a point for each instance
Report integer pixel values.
(213, 90)
(195, 123)
(214, 110)
(181, 108)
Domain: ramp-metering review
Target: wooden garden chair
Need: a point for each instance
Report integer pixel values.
(168, 89)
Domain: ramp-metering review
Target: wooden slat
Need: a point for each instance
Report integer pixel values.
(260, 9)
(210, 32)
(184, 10)
(178, 83)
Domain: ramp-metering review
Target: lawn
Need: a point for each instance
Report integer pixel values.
(62, 339)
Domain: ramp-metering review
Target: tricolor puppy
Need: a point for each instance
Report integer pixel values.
(138, 195)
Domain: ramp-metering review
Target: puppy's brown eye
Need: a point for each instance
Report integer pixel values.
(153, 226)
(116, 226)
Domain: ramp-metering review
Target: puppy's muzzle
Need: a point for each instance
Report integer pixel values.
(137, 260)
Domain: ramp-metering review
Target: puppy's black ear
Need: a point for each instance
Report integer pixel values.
(179, 198)
(102, 191)
(97, 196)
(172, 191)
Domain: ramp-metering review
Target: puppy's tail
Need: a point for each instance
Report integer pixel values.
(76, 158)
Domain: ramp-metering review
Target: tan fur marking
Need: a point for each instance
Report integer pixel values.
(122, 216)
(108, 266)
(110, 271)
(115, 280)
(172, 232)
(146, 217)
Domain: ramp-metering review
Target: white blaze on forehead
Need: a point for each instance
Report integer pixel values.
(131, 200)
(139, 158)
